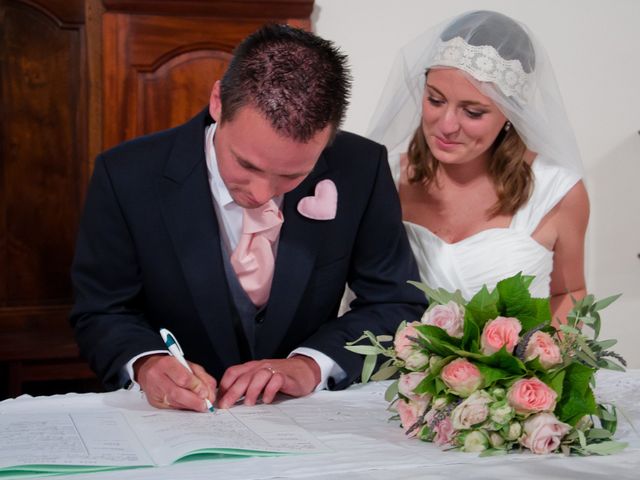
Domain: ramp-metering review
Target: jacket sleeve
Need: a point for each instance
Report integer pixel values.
(108, 319)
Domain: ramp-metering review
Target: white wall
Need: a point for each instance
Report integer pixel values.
(595, 48)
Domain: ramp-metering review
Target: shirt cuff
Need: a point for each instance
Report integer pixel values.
(330, 371)
(126, 375)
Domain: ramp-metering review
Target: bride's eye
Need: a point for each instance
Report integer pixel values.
(434, 101)
(474, 113)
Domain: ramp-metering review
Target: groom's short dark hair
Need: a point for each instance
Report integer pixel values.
(297, 80)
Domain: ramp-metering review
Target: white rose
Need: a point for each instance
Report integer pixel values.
(416, 360)
(475, 441)
(472, 411)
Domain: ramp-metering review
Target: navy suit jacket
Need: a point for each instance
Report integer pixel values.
(149, 255)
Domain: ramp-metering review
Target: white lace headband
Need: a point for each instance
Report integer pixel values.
(485, 64)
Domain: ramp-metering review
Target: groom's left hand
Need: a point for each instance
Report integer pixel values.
(296, 376)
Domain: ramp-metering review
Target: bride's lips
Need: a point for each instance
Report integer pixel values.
(445, 144)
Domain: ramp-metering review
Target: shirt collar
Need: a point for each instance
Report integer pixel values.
(219, 190)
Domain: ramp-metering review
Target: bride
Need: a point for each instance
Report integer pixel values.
(485, 161)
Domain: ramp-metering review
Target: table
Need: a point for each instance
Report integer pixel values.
(354, 424)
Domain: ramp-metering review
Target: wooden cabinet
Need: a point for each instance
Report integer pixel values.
(77, 77)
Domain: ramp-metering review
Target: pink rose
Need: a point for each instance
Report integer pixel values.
(541, 345)
(543, 433)
(410, 413)
(441, 426)
(403, 344)
(530, 395)
(449, 317)
(462, 377)
(444, 432)
(500, 332)
(408, 382)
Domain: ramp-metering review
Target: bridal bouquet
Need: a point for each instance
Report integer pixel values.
(492, 375)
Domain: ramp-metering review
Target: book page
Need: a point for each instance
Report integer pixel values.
(100, 438)
(133, 438)
(171, 435)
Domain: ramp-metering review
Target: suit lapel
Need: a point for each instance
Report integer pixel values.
(191, 220)
(300, 239)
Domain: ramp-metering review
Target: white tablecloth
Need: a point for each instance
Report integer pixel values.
(365, 444)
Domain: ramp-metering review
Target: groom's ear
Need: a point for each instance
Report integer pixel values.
(215, 103)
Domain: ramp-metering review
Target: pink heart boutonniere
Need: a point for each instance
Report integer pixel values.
(323, 204)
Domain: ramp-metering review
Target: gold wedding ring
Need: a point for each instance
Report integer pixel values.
(271, 369)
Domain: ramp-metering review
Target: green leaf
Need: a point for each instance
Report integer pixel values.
(586, 359)
(471, 333)
(577, 397)
(608, 418)
(483, 306)
(493, 452)
(605, 344)
(440, 295)
(598, 434)
(515, 301)
(491, 375)
(606, 448)
(391, 392)
(568, 329)
(555, 381)
(501, 360)
(582, 438)
(364, 349)
(580, 340)
(367, 368)
(609, 365)
(605, 302)
(543, 313)
(384, 373)
(360, 338)
(384, 338)
(436, 341)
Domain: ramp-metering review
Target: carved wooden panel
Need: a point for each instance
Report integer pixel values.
(43, 171)
(159, 67)
(43, 133)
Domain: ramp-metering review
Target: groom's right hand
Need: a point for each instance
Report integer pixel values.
(167, 384)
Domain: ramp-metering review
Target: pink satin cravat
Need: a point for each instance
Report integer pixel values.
(253, 259)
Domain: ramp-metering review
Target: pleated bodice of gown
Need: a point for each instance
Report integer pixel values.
(496, 253)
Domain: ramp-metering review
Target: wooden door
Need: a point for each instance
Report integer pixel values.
(159, 67)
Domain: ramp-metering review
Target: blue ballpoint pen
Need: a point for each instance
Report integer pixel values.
(176, 352)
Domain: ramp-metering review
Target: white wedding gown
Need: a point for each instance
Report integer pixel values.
(495, 253)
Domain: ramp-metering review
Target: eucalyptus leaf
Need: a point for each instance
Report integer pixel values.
(568, 329)
(582, 438)
(606, 344)
(605, 302)
(598, 433)
(384, 373)
(609, 365)
(606, 448)
(384, 338)
(391, 392)
(364, 349)
(440, 295)
(368, 367)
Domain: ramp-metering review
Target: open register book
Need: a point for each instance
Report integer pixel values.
(87, 440)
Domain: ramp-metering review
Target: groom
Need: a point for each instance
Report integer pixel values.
(237, 231)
